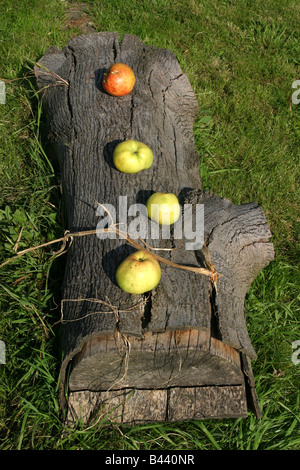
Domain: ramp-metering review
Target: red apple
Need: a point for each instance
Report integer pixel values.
(119, 80)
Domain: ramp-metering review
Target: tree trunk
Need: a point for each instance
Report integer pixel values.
(185, 344)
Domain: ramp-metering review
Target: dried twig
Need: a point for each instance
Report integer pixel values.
(46, 72)
(111, 309)
(211, 273)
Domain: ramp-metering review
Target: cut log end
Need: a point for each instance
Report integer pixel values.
(155, 360)
(170, 376)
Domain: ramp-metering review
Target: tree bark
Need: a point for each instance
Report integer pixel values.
(188, 319)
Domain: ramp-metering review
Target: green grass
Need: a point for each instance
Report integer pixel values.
(241, 58)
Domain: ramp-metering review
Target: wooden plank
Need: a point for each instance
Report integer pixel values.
(144, 406)
(207, 402)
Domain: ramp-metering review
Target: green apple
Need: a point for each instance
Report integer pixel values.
(164, 208)
(139, 273)
(131, 156)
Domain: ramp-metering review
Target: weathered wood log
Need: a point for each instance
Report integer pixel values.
(181, 351)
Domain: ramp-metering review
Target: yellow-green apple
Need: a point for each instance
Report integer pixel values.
(139, 273)
(164, 208)
(119, 80)
(131, 156)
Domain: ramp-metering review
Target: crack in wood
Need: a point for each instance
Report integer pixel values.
(214, 328)
(146, 318)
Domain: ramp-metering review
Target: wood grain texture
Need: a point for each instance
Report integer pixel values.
(157, 360)
(84, 124)
(143, 406)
